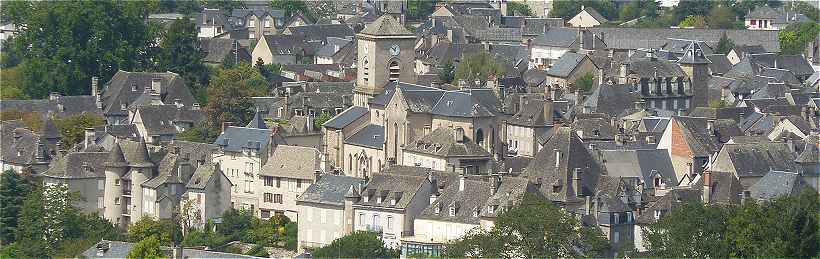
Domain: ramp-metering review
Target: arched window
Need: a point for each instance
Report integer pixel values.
(366, 70)
(395, 71)
(350, 164)
(479, 137)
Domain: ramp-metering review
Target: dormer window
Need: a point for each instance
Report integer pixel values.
(379, 199)
(122, 106)
(437, 209)
(452, 211)
(490, 209)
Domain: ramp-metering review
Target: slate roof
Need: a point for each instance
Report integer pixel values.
(332, 46)
(320, 100)
(282, 44)
(78, 165)
(694, 54)
(257, 122)
(742, 49)
(160, 119)
(217, 49)
(241, 138)
(557, 37)
(389, 89)
(321, 32)
(652, 68)
(726, 188)
(441, 142)
(386, 26)
(811, 152)
(644, 164)
(594, 128)
(119, 90)
(667, 203)
(467, 203)
(137, 155)
(720, 64)
(757, 159)
(346, 117)
(624, 37)
(566, 64)
(390, 186)
(595, 14)
(778, 184)
(469, 103)
(547, 177)
(499, 34)
(330, 189)
(61, 107)
(195, 151)
(167, 172)
(292, 162)
(532, 114)
(611, 99)
(701, 141)
(23, 151)
(371, 136)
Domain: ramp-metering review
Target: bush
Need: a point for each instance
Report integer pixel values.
(258, 251)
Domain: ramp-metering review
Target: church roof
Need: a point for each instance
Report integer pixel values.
(386, 26)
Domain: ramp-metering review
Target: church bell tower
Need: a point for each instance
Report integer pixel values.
(386, 54)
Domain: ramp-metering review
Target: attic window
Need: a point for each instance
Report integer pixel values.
(452, 211)
(122, 106)
(437, 209)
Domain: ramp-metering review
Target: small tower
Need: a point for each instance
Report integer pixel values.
(142, 169)
(352, 196)
(696, 65)
(115, 168)
(386, 55)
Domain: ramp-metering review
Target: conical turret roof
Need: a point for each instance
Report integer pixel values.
(140, 156)
(257, 122)
(116, 157)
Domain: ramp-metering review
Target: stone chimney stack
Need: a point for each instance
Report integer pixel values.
(707, 187)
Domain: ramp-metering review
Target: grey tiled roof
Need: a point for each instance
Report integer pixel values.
(720, 63)
(63, 106)
(330, 189)
(390, 186)
(160, 119)
(292, 162)
(78, 165)
(321, 32)
(624, 38)
(203, 175)
(757, 159)
(441, 142)
(726, 188)
(23, 150)
(557, 37)
(499, 34)
(566, 64)
(701, 141)
(811, 152)
(667, 203)
(532, 114)
(612, 99)
(240, 138)
(777, 184)
(390, 89)
(467, 103)
(649, 68)
(119, 90)
(217, 49)
(371, 136)
(542, 169)
(595, 14)
(194, 151)
(694, 54)
(467, 202)
(257, 122)
(117, 249)
(386, 25)
(346, 117)
(644, 164)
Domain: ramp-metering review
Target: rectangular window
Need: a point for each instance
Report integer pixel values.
(362, 219)
(268, 180)
(389, 223)
(248, 186)
(117, 200)
(754, 22)
(117, 182)
(268, 197)
(277, 198)
(101, 184)
(265, 214)
(298, 183)
(251, 23)
(376, 221)
(267, 23)
(100, 202)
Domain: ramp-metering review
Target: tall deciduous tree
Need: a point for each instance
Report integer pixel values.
(229, 94)
(292, 7)
(794, 39)
(515, 8)
(148, 227)
(179, 52)
(478, 67)
(692, 8)
(693, 21)
(72, 128)
(147, 248)
(13, 190)
(691, 230)
(65, 43)
(534, 229)
(721, 17)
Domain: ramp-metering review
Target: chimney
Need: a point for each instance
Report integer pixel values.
(576, 182)
(587, 205)
(95, 91)
(600, 76)
(156, 84)
(707, 186)
(580, 39)
(89, 137)
(557, 157)
(741, 116)
(548, 117)
(317, 174)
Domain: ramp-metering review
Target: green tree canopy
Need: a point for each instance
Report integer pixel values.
(795, 37)
(68, 42)
(446, 73)
(72, 128)
(693, 21)
(359, 244)
(229, 95)
(148, 227)
(179, 53)
(724, 44)
(721, 17)
(13, 190)
(420, 9)
(534, 229)
(478, 67)
(514, 8)
(784, 228)
(585, 82)
(147, 248)
(292, 7)
(684, 9)
(568, 9)
(691, 230)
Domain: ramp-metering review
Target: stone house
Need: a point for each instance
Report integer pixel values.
(569, 68)
(326, 209)
(288, 173)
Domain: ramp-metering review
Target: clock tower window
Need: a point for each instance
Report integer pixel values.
(395, 71)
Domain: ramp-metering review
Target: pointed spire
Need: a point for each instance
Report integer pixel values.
(116, 157)
(140, 157)
(694, 55)
(257, 121)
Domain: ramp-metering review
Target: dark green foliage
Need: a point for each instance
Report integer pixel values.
(794, 39)
(478, 67)
(585, 82)
(292, 7)
(147, 248)
(420, 9)
(446, 73)
(258, 251)
(30, 232)
(200, 133)
(319, 121)
(359, 244)
(68, 42)
(179, 53)
(692, 8)
(147, 227)
(516, 8)
(235, 223)
(721, 17)
(533, 229)
(804, 8)
(13, 190)
(724, 45)
(72, 128)
(638, 8)
(229, 95)
(205, 238)
(691, 230)
(568, 9)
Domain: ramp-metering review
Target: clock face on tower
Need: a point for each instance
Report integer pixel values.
(394, 50)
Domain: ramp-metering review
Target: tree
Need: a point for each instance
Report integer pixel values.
(804, 8)
(515, 8)
(721, 17)
(11, 86)
(568, 9)
(179, 52)
(147, 248)
(693, 21)
(292, 7)
(533, 229)
(13, 190)
(691, 230)
(786, 228)
(795, 37)
(585, 82)
(236, 223)
(43, 221)
(31, 238)
(147, 227)
(478, 67)
(359, 244)
(229, 93)
(72, 128)
(724, 44)
(446, 73)
(420, 9)
(319, 121)
(68, 42)
(692, 8)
